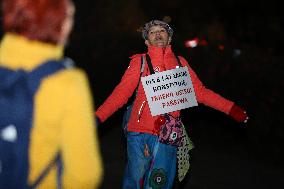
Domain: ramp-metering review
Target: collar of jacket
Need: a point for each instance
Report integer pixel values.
(19, 52)
(159, 52)
(162, 59)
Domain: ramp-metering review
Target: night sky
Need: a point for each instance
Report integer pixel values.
(242, 60)
(106, 33)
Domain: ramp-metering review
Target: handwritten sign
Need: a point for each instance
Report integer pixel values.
(169, 91)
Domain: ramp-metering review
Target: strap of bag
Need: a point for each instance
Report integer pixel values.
(141, 71)
(179, 63)
(35, 77)
(150, 63)
(142, 65)
(44, 70)
(55, 161)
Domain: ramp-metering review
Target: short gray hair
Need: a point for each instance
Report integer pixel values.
(163, 24)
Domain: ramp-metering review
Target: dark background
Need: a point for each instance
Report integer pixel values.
(248, 70)
(242, 61)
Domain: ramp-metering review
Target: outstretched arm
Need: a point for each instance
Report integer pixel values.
(214, 100)
(238, 114)
(122, 91)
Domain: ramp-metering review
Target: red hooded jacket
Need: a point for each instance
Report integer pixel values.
(141, 119)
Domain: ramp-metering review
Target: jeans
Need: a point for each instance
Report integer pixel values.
(151, 164)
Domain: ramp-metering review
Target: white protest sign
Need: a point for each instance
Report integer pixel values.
(169, 91)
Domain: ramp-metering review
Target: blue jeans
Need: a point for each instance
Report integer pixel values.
(151, 165)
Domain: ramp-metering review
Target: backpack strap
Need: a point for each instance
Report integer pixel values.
(9, 77)
(150, 63)
(55, 161)
(141, 71)
(142, 65)
(179, 63)
(46, 69)
(35, 78)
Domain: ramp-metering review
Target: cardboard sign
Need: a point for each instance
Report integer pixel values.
(169, 91)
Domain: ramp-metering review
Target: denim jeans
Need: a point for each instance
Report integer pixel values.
(151, 164)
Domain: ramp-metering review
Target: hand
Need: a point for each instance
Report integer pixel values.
(238, 114)
(161, 120)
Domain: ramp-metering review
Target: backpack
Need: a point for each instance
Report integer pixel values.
(17, 91)
(128, 110)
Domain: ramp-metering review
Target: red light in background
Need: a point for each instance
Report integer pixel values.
(221, 47)
(191, 43)
(203, 42)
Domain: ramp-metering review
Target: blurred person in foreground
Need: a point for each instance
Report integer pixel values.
(36, 31)
(152, 163)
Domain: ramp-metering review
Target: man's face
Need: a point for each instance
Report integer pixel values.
(158, 36)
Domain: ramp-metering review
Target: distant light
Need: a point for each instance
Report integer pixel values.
(191, 43)
(221, 47)
(203, 42)
(237, 52)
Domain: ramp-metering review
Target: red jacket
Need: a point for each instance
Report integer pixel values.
(141, 119)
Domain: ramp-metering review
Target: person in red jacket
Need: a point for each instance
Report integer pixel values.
(151, 163)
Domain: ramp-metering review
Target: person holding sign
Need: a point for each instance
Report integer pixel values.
(164, 84)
